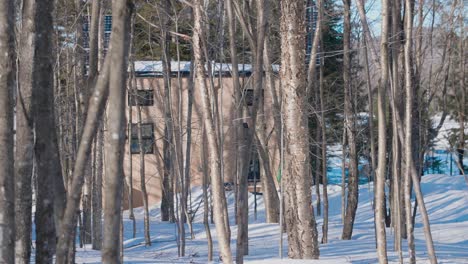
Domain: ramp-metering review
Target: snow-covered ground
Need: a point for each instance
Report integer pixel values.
(446, 200)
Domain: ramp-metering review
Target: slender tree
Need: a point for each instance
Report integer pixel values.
(382, 159)
(350, 125)
(213, 150)
(24, 135)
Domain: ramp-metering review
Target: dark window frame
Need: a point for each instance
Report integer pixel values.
(143, 97)
(147, 138)
(249, 96)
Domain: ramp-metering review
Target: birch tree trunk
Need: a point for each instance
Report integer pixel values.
(382, 159)
(411, 171)
(205, 199)
(114, 151)
(396, 183)
(97, 190)
(214, 157)
(353, 178)
(96, 182)
(24, 135)
(300, 220)
(7, 86)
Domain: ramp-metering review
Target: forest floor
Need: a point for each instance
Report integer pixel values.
(446, 199)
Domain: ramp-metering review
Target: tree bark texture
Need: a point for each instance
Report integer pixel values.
(49, 204)
(24, 135)
(382, 148)
(300, 220)
(114, 150)
(350, 124)
(213, 150)
(7, 86)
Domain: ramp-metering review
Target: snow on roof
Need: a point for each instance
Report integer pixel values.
(155, 68)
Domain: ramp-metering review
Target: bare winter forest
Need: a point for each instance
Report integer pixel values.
(256, 131)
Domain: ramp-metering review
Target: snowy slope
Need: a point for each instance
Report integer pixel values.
(446, 199)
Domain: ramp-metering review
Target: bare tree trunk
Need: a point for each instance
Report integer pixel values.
(205, 201)
(120, 42)
(214, 158)
(94, 42)
(350, 124)
(256, 43)
(317, 157)
(188, 148)
(97, 191)
(132, 90)
(462, 100)
(300, 220)
(167, 205)
(324, 151)
(343, 176)
(381, 169)
(96, 108)
(82, 92)
(167, 200)
(243, 150)
(273, 206)
(411, 169)
(48, 213)
(24, 136)
(144, 193)
(370, 100)
(7, 86)
(396, 183)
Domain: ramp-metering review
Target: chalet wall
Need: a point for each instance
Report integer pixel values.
(155, 114)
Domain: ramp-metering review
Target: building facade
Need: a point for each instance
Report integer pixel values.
(149, 99)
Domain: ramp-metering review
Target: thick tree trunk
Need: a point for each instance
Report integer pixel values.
(48, 214)
(350, 124)
(214, 157)
(120, 42)
(7, 86)
(300, 220)
(24, 136)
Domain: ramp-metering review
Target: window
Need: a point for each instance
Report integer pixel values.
(141, 98)
(147, 137)
(108, 23)
(249, 96)
(254, 168)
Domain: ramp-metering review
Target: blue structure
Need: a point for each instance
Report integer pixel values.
(311, 25)
(107, 33)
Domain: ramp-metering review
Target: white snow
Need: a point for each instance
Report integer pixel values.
(446, 200)
(441, 141)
